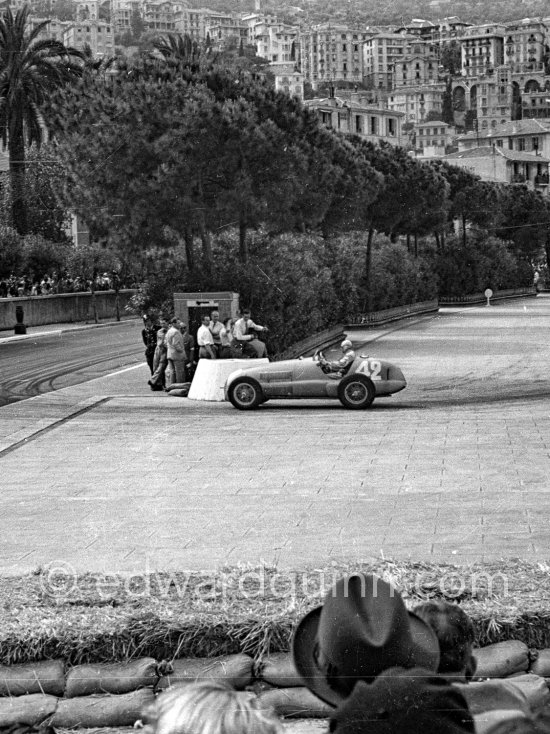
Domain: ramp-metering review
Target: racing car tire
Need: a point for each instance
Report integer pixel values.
(248, 397)
(356, 392)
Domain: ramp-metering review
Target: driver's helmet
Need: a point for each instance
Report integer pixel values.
(346, 344)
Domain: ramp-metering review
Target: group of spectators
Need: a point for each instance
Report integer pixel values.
(20, 287)
(172, 353)
(380, 668)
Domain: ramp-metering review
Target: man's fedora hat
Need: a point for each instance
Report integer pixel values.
(362, 629)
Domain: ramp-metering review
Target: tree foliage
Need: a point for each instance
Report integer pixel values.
(31, 68)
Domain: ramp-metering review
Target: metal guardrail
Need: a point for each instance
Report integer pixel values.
(321, 340)
(391, 314)
(480, 297)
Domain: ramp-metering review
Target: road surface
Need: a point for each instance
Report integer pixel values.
(38, 365)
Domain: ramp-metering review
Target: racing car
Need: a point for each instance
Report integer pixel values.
(356, 387)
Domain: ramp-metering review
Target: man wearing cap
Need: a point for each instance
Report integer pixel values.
(340, 365)
(363, 653)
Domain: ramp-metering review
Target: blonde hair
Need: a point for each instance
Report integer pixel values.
(210, 708)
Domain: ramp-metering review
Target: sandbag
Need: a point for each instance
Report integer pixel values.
(183, 393)
(85, 680)
(306, 726)
(501, 659)
(90, 712)
(45, 676)
(541, 666)
(235, 670)
(279, 670)
(295, 703)
(486, 722)
(30, 710)
(178, 386)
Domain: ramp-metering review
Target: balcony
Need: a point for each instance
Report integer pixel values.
(541, 179)
(518, 178)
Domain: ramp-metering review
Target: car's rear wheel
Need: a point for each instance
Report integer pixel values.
(356, 392)
(245, 393)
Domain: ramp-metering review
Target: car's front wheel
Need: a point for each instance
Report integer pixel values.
(356, 392)
(245, 393)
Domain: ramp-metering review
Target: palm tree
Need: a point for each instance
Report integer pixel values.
(94, 65)
(181, 50)
(30, 69)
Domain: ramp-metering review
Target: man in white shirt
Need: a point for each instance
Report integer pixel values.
(244, 333)
(205, 340)
(175, 352)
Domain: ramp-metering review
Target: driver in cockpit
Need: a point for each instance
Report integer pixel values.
(339, 366)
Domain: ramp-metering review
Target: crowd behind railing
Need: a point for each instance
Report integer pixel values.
(47, 285)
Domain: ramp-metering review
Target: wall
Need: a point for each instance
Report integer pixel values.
(62, 308)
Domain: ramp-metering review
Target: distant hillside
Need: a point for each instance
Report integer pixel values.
(397, 12)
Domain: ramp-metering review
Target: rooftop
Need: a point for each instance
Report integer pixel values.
(486, 151)
(513, 127)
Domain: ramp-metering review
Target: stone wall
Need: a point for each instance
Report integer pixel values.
(62, 308)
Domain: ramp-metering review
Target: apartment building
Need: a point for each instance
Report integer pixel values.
(221, 30)
(332, 54)
(502, 165)
(489, 95)
(482, 48)
(274, 40)
(380, 55)
(98, 35)
(196, 21)
(420, 65)
(523, 136)
(536, 104)
(288, 79)
(414, 103)
(161, 15)
(442, 31)
(55, 29)
(524, 45)
(433, 137)
(354, 115)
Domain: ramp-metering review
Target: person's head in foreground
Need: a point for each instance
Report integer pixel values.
(403, 701)
(455, 633)
(362, 629)
(210, 708)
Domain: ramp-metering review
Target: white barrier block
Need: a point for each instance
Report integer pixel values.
(211, 374)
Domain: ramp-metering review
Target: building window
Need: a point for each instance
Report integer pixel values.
(499, 143)
(535, 143)
(391, 127)
(373, 126)
(358, 124)
(521, 143)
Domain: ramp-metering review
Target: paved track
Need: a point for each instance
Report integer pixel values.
(108, 477)
(42, 363)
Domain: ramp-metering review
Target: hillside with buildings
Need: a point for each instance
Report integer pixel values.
(413, 81)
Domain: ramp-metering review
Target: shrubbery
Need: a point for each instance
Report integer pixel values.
(485, 262)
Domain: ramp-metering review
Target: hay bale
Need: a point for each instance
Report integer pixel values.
(90, 712)
(502, 659)
(541, 666)
(85, 680)
(235, 670)
(279, 670)
(30, 710)
(45, 676)
(295, 703)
